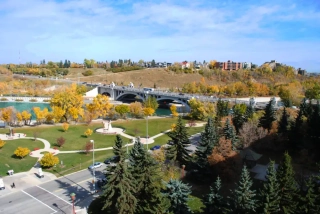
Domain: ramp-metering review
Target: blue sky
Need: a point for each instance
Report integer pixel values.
(171, 30)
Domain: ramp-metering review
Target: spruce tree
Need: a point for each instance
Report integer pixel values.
(230, 134)
(309, 198)
(287, 185)
(180, 139)
(177, 193)
(269, 195)
(269, 115)
(207, 141)
(119, 194)
(222, 108)
(283, 123)
(214, 200)
(243, 196)
(250, 109)
(145, 172)
(314, 122)
(296, 135)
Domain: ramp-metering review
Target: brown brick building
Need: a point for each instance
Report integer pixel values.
(230, 65)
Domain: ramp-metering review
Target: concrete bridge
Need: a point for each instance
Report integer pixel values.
(117, 93)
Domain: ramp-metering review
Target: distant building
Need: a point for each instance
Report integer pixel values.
(230, 65)
(273, 64)
(247, 65)
(185, 64)
(302, 72)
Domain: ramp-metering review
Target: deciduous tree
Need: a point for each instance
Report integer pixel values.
(2, 143)
(88, 132)
(61, 141)
(151, 102)
(122, 110)
(65, 126)
(173, 110)
(136, 109)
(88, 147)
(21, 152)
(148, 111)
(49, 160)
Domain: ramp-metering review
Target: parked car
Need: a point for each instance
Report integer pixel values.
(95, 165)
(101, 182)
(1, 184)
(111, 160)
(155, 147)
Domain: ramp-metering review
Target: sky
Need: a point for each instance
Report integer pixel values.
(287, 31)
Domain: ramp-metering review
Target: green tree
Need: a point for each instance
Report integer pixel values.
(239, 116)
(286, 96)
(119, 195)
(313, 93)
(177, 193)
(314, 122)
(151, 102)
(122, 109)
(243, 200)
(269, 115)
(309, 202)
(214, 200)
(222, 109)
(269, 195)
(179, 137)
(153, 63)
(283, 123)
(208, 140)
(230, 134)
(145, 172)
(250, 109)
(287, 185)
(296, 135)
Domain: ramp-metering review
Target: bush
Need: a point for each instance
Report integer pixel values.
(21, 152)
(87, 147)
(65, 126)
(19, 100)
(87, 73)
(61, 141)
(33, 100)
(46, 101)
(88, 132)
(4, 99)
(49, 160)
(2, 143)
(124, 69)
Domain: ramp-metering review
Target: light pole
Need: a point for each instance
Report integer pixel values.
(147, 132)
(93, 170)
(73, 197)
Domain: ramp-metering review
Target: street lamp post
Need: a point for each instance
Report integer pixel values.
(93, 170)
(73, 197)
(147, 133)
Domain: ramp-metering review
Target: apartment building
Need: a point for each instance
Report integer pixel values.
(230, 65)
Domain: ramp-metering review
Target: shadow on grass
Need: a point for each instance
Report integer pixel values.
(16, 157)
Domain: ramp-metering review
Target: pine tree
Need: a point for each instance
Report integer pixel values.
(270, 199)
(179, 137)
(283, 123)
(119, 194)
(288, 186)
(214, 201)
(243, 196)
(222, 108)
(309, 198)
(250, 109)
(296, 135)
(145, 172)
(314, 121)
(177, 193)
(269, 115)
(207, 141)
(230, 134)
(305, 108)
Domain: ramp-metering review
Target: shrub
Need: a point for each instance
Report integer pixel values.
(21, 152)
(61, 141)
(87, 73)
(18, 100)
(4, 99)
(49, 160)
(87, 147)
(88, 132)
(2, 143)
(46, 101)
(33, 100)
(65, 126)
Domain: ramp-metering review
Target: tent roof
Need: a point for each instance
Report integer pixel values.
(248, 154)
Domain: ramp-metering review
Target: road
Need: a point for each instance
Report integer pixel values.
(53, 196)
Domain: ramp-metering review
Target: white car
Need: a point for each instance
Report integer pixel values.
(95, 165)
(1, 184)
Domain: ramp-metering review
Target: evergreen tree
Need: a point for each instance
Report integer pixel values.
(296, 135)
(153, 63)
(69, 63)
(305, 108)
(269, 115)
(222, 108)
(179, 137)
(119, 194)
(250, 109)
(214, 201)
(208, 140)
(287, 185)
(309, 198)
(314, 122)
(230, 134)
(239, 116)
(283, 123)
(243, 196)
(145, 172)
(177, 193)
(270, 199)
(60, 64)
(65, 65)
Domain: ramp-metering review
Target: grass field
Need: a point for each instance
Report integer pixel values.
(8, 160)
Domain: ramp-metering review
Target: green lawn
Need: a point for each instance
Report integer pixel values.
(9, 161)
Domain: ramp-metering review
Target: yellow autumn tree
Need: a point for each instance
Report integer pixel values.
(201, 110)
(101, 105)
(6, 114)
(26, 116)
(148, 111)
(122, 110)
(173, 127)
(2, 143)
(66, 99)
(49, 117)
(88, 132)
(48, 160)
(65, 126)
(136, 109)
(21, 152)
(58, 113)
(75, 113)
(40, 114)
(19, 117)
(173, 110)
